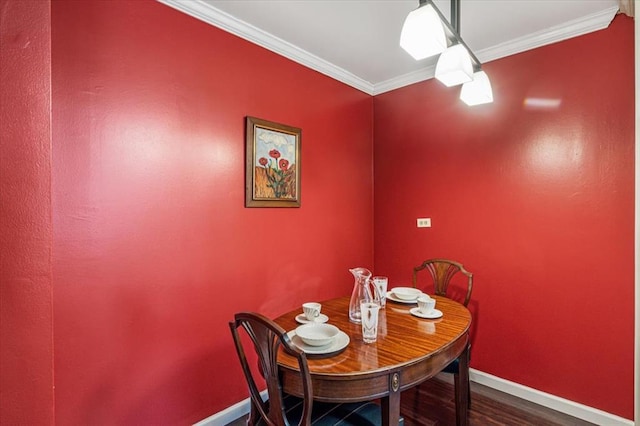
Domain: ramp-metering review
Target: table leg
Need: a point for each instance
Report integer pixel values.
(391, 404)
(462, 389)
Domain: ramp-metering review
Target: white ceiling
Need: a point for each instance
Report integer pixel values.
(356, 41)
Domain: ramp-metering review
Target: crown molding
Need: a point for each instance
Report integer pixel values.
(417, 76)
(577, 27)
(209, 14)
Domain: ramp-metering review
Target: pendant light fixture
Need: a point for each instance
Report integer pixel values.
(457, 64)
(422, 33)
(454, 66)
(478, 91)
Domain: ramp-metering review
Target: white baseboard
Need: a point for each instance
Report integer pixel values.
(556, 403)
(227, 415)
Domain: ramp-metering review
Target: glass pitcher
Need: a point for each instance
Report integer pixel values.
(363, 289)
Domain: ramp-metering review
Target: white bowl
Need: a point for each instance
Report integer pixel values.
(314, 334)
(406, 293)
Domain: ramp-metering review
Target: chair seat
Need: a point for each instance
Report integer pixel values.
(327, 414)
(453, 367)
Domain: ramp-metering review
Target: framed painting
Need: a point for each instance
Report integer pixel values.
(273, 164)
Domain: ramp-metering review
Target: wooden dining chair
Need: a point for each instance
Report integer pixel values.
(441, 272)
(281, 409)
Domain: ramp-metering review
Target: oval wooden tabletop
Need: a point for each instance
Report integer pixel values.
(402, 338)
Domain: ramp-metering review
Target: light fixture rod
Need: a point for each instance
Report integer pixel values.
(452, 33)
(455, 15)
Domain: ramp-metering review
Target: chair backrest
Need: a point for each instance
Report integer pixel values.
(442, 270)
(267, 338)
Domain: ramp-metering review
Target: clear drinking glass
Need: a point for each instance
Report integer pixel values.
(369, 314)
(381, 285)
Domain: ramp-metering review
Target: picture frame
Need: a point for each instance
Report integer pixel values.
(272, 164)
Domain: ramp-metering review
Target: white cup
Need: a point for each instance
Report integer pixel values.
(369, 311)
(311, 310)
(381, 284)
(426, 305)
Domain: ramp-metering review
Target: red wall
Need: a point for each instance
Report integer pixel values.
(153, 249)
(26, 377)
(132, 212)
(536, 202)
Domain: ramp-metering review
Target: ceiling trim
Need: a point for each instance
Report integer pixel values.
(577, 27)
(216, 17)
(417, 76)
(211, 15)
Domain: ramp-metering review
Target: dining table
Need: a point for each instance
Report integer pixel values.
(408, 350)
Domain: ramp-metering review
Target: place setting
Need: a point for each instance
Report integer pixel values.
(315, 337)
(311, 313)
(426, 308)
(407, 295)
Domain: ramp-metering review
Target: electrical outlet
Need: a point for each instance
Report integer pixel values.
(424, 222)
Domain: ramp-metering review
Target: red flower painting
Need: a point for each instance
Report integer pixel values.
(274, 153)
(273, 169)
(280, 177)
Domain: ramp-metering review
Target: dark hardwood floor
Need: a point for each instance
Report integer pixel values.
(432, 404)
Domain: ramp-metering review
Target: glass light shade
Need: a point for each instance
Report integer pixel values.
(478, 91)
(422, 33)
(454, 66)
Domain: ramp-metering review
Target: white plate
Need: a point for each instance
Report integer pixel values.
(393, 298)
(322, 318)
(340, 342)
(433, 315)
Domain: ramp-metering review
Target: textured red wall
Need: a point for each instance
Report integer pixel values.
(26, 376)
(153, 249)
(536, 202)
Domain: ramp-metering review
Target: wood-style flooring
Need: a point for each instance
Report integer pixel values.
(432, 404)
